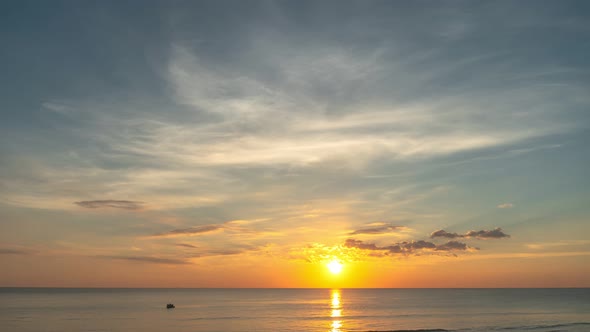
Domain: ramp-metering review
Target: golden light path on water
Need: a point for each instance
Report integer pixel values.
(336, 311)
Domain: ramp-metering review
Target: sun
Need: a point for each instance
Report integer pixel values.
(334, 266)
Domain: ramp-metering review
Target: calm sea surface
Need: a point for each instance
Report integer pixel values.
(531, 310)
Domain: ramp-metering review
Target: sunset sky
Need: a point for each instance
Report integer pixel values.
(250, 143)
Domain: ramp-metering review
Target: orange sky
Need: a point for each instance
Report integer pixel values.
(422, 146)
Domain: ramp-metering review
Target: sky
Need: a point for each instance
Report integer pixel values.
(250, 143)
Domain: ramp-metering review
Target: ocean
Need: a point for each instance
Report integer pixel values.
(333, 310)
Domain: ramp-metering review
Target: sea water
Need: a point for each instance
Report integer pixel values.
(334, 310)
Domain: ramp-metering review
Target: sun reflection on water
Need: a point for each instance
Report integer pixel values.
(336, 313)
(335, 299)
(336, 326)
(336, 307)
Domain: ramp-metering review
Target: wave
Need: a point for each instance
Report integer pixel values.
(549, 328)
(419, 330)
(541, 327)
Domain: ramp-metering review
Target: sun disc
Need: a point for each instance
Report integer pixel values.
(335, 267)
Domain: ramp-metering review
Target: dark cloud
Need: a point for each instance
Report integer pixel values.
(149, 259)
(352, 243)
(493, 234)
(230, 227)
(190, 231)
(483, 234)
(7, 251)
(443, 233)
(235, 250)
(109, 203)
(417, 245)
(226, 252)
(409, 247)
(453, 245)
(377, 230)
(186, 245)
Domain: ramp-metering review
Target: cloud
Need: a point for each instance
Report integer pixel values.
(244, 118)
(382, 229)
(321, 253)
(232, 227)
(191, 231)
(149, 259)
(352, 243)
(529, 255)
(58, 107)
(109, 203)
(492, 234)
(564, 243)
(443, 233)
(324, 103)
(8, 251)
(483, 234)
(410, 247)
(224, 250)
(505, 206)
(186, 245)
(453, 245)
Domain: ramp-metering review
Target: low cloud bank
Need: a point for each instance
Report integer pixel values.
(410, 247)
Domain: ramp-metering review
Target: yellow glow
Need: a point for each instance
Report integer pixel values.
(336, 311)
(336, 326)
(335, 299)
(335, 266)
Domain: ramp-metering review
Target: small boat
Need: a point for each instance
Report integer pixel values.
(170, 306)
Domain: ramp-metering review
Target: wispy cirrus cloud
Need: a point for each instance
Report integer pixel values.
(266, 111)
(13, 251)
(149, 259)
(421, 129)
(497, 233)
(190, 231)
(563, 243)
(110, 203)
(505, 206)
(229, 250)
(232, 226)
(186, 245)
(379, 228)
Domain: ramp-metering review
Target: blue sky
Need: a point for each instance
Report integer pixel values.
(178, 133)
